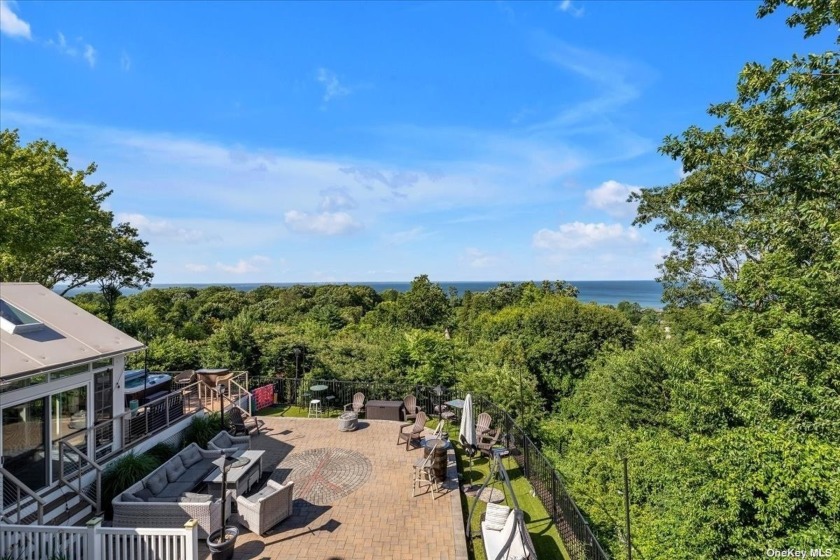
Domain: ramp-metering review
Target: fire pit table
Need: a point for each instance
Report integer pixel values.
(348, 421)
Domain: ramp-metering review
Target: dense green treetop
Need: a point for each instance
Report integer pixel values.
(761, 189)
(53, 228)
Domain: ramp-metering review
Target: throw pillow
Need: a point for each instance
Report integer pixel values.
(157, 481)
(223, 440)
(145, 494)
(129, 497)
(190, 456)
(496, 516)
(174, 468)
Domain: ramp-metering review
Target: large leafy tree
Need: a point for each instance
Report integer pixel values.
(733, 433)
(54, 230)
(424, 305)
(756, 216)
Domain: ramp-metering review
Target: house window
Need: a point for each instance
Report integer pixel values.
(67, 372)
(103, 363)
(103, 406)
(68, 420)
(21, 382)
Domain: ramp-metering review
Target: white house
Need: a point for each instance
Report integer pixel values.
(61, 372)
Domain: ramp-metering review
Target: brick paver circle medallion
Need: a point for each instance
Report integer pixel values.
(324, 475)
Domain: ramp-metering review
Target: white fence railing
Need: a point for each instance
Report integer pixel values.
(95, 542)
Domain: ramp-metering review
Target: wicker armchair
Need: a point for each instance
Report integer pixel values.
(358, 404)
(411, 408)
(186, 377)
(415, 431)
(266, 508)
(223, 441)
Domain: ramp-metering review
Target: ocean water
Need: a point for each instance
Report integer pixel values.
(647, 293)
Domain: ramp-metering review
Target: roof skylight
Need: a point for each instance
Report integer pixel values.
(15, 321)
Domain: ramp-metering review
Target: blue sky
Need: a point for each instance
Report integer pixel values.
(291, 142)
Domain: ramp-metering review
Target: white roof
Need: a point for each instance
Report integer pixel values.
(70, 335)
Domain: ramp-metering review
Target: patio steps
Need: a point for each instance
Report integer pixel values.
(62, 507)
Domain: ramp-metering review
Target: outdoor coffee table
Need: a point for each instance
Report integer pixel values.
(239, 480)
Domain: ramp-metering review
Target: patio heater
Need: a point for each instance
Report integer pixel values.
(298, 352)
(222, 542)
(439, 392)
(297, 372)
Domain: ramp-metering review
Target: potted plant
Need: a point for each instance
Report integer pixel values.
(221, 543)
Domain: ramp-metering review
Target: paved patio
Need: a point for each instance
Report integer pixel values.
(352, 497)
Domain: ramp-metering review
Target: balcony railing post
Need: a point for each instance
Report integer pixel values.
(94, 546)
(525, 442)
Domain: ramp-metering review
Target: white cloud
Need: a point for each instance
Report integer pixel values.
(77, 48)
(125, 62)
(616, 82)
(611, 197)
(336, 199)
(394, 180)
(90, 55)
(10, 22)
(245, 266)
(579, 235)
(477, 258)
(325, 223)
(332, 86)
(162, 228)
(569, 8)
(193, 267)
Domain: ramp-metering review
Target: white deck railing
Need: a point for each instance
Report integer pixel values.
(95, 542)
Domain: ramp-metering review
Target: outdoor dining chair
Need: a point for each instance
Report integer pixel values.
(184, 380)
(410, 432)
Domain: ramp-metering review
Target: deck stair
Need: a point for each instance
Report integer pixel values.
(61, 506)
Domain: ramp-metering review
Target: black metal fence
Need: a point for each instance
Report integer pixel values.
(574, 530)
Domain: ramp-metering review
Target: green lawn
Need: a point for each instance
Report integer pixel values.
(292, 411)
(540, 526)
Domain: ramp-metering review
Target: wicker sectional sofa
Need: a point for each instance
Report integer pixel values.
(166, 498)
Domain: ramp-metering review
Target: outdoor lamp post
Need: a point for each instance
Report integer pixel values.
(439, 392)
(297, 372)
(298, 352)
(222, 405)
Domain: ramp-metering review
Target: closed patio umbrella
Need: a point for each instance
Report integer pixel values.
(466, 435)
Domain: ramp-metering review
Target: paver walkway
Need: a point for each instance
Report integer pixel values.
(355, 500)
